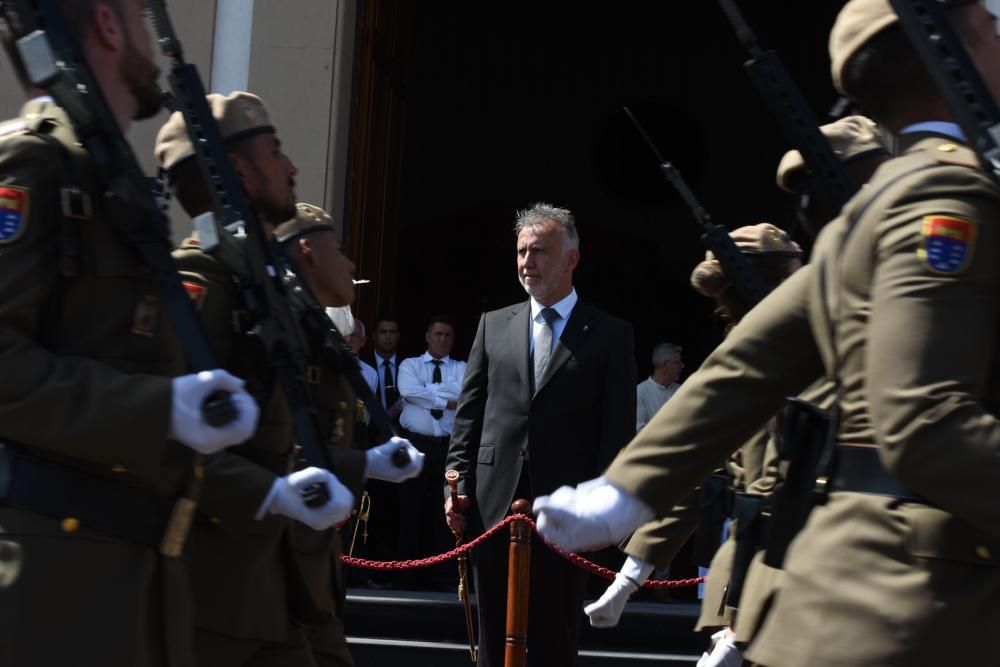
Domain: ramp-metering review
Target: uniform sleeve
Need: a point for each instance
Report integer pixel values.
(234, 485)
(932, 363)
(464, 445)
(769, 355)
(75, 406)
(658, 541)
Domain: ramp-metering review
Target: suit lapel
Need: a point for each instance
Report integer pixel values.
(519, 337)
(572, 337)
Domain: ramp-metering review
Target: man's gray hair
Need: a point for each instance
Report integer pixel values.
(539, 213)
(360, 323)
(664, 352)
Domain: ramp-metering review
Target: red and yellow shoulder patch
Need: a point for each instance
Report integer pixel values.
(947, 244)
(13, 213)
(196, 292)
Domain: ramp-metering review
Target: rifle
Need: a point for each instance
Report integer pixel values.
(829, 181)
(716, 237)
(54, 62)
(288, 322)
(955, 76)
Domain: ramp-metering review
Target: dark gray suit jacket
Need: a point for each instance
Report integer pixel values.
(581, 414)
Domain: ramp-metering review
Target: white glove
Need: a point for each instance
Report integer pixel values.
(187, 424)
(286, 498)
(591, 516)
(607, 610)
(380, 465)
(725, 653)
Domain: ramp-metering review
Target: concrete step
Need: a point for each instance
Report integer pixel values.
(385, 627)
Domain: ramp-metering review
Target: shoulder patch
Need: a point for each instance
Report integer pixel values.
(196, 292)
(947, 244)
(13, 213)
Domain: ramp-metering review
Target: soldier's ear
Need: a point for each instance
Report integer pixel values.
(107, 28)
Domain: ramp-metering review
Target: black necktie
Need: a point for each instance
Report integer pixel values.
(391, 395)
(436, 379)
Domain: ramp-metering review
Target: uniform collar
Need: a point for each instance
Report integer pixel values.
(943, 127)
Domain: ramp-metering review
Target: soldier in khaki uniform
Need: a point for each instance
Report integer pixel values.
(899, 567)
(95, 436)
(754, 468)
(263, 563)
(774, 257)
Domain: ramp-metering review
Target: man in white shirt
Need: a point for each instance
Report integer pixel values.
(429, 387)
(655, 390)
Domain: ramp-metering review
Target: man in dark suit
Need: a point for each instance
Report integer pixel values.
(548, 399)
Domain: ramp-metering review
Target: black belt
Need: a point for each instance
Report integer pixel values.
(859, 470)
(63, 492)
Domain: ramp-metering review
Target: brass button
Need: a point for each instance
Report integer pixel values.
(983, 552)
(947, 148)
(119, 469)
(199, 472)
(216, 520)
(70, 525)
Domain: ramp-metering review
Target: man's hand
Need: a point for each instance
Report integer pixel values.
(395, 408)
(725, 653)
(455, 515)
(607, 610)
(187, 421)
(379, 463)
(591, 516)
(286, 498)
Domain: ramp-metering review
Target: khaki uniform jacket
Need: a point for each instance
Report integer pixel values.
(252, 577)
(873, 580)
(86, 362)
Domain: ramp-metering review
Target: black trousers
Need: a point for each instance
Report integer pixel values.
(555, 603)
(422, 528)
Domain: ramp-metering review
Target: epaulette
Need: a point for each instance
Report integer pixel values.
(951, 153)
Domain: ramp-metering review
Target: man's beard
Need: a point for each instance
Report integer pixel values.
(542, 288)
(141, 76)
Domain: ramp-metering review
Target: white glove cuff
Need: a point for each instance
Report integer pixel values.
(637, 570)
(268, 499)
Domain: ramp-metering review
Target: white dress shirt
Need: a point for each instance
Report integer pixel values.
(650, 397)
(564, 308)
(380, 371)
(421, 395)
(369, 374)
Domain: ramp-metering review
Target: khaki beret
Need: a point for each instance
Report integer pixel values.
(308, 219)
(851, 138)
(239, 115)
(856, 24)
(761, 240)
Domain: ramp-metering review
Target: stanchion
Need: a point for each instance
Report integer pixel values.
(518, 575)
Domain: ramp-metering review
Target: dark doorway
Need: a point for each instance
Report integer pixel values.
(511, 103)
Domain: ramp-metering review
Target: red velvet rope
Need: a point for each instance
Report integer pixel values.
(579, 561)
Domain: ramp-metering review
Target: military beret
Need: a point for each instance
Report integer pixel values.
(761, 240)
(851, 138)
(239, 115)
(856, 24)
(308, 219)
